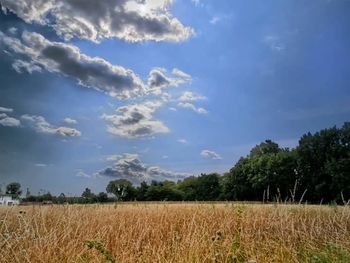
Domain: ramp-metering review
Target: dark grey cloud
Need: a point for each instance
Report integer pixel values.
(42, 126)
(129, 166)
(130, 20)
(135, 121)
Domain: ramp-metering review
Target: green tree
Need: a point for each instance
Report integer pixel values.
(263, 148)
(102, 197)
(14, 189)
(122, 189)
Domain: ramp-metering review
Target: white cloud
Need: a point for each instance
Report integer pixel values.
(8, 121)
(210, 154)
(187, 105)
(197, 3)
(40, 165)
(70, 121)
(183, 141)
(214, 20)
(158, 80)
(172, 109)
(42, 126)
(190, 96)
(130, 167)
(3, 109)
(274, 43)
(91, 72)
(12, 30)
(93, 20)
(66, 59)
(181, 74)
(135, 121)
(20, 66)
(81, 173)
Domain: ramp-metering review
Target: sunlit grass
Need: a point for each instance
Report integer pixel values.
(175, 232)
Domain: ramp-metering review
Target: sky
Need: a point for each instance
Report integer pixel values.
(93, 91)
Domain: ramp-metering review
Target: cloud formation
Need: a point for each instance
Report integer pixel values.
(210, 154)
(91, 72)
(190, 106)
(158, 80)
(21, 66)
(7, 121)
(190, 96)
(3, 109)
(42, 126)
(70, 121)
(130, 167)
(183, 141)
(130, 20)
(66, 59)
(135, 121)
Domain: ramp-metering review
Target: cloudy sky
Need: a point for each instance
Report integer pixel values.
(92, 91)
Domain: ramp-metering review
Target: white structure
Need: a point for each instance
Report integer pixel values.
(8, 200)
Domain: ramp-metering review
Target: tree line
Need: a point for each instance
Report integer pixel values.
(316, 171)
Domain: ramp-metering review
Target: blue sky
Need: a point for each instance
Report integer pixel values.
(244, 72)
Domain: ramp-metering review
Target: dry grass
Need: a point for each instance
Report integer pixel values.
(182, 232)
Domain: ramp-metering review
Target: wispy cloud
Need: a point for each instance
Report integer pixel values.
(42, 126)
(183, 141)
(210, 154)
(188, 105)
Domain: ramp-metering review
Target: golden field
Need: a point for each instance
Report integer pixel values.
(175, 232)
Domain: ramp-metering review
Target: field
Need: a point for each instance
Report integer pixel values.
(175, 232)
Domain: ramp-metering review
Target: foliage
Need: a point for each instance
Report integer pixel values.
(14, 189)
(101, 249)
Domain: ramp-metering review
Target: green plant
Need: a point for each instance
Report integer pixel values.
(101, 249)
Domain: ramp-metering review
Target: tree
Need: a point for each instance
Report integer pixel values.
(102, 197)
(61, 198)
(88, 195)
(14, 189)
(263, 148)
(324, 164)
(141, 191)
(122, 189)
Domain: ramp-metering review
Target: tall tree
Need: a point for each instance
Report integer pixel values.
(14, 189)
(122, 189)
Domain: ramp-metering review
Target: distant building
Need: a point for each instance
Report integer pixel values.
(8, 200)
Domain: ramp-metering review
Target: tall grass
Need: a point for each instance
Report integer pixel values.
(178, 232)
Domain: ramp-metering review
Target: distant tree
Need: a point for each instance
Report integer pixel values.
(208, 187)
(102, 197)
(14, 189)
(88, 195)
(141, 191)
(163, 191)
(189, 188)
(61, 198)
(122, 189)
